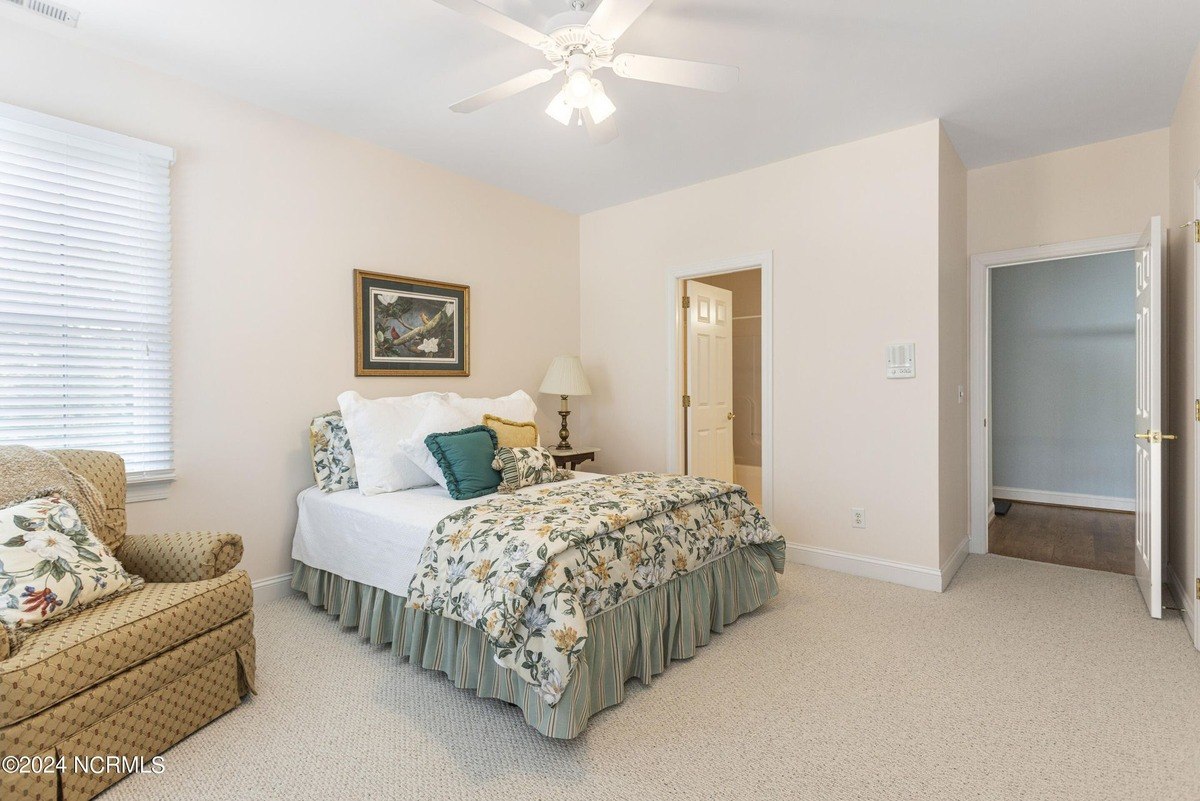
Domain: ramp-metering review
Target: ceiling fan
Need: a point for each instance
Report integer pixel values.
(578, 45)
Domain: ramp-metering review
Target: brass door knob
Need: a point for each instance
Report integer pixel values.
(1155, 437)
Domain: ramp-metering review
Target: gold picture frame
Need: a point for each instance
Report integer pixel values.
(410, 326)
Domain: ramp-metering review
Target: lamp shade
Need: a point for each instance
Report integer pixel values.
(565, 377)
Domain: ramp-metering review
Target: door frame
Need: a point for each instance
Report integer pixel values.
(1190, 592)
(982, 264)
(676, 278)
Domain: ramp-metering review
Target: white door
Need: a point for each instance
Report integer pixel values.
(1148, 493)
(710, 381)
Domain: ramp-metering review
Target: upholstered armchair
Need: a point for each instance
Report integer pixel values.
(134, 675)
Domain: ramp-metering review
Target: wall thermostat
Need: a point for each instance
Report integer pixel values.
(901, 360)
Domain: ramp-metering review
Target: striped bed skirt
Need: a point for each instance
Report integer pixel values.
(637, 639)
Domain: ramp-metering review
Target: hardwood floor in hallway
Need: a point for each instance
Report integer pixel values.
(1062, 535)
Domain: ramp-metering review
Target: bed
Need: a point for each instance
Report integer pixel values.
(569, 590)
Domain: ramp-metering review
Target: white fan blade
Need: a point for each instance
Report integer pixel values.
(601, 133)
(501, 91)
(676, 72)
(613, 17)
(492, 18)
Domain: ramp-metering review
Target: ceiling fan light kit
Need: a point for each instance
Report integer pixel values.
(578, 45)
(559, 109)
(599, 105)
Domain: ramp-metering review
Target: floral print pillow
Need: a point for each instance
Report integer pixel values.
(524, 467)
(50, 564)
(332, 459)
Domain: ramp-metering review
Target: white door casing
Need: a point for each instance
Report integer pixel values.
(1148, 416)
(710, 381)
(1191, 586)
(674, 426)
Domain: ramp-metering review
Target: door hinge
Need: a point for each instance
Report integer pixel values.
(687, 401)
(687, 302)
(1198, 589)
(1198, 409)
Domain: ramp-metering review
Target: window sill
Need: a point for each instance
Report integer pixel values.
(148, 488)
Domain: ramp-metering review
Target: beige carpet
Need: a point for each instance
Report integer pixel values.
(1024, 681)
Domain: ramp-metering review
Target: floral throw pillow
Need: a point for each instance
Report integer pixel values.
(524, 467)
(50, 564)
(332, 459)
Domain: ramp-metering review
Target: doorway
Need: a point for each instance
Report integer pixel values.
(1062, 429)
(719, 419)
(1062, 381)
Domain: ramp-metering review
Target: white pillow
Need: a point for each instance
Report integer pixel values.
(374, 428)
(440, 417)
(518, 407)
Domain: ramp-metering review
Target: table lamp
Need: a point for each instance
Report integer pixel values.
(565, 378)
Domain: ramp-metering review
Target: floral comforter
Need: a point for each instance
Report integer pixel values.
(529, 569)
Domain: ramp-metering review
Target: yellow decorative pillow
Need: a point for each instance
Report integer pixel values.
(511, 434)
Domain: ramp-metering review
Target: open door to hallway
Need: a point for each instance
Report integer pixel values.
(1057, 468)
(1148, 489)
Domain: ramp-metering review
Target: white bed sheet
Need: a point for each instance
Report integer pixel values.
(375, 539)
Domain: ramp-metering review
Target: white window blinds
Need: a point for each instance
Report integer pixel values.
(85, 291)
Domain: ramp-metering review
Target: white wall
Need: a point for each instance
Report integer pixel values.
(953, 355)
(270, 218)
(1063, 376)
(854, 232)
(1181, 298)
(1086, 192)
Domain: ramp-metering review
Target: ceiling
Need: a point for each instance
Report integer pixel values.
(1010, 79)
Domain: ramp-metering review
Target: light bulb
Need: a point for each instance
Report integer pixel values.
(579, 88)
(560, 109)
(600, 106)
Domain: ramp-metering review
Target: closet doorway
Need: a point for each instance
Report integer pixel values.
(720, 343)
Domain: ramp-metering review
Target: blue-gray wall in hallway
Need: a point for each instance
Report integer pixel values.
(1063, 375)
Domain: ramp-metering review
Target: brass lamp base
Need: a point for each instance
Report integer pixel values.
(564, 434)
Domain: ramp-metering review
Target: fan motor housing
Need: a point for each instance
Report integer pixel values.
(570, 35)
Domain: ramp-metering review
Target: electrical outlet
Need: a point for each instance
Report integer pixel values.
(858, 517)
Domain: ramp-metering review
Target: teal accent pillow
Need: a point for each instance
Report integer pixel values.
(466, 461)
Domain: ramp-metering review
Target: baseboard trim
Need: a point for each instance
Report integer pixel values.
(955, 561)
(910, 575)
(1106, 502)
(268, 589)
(922, 578)
(1186, 601)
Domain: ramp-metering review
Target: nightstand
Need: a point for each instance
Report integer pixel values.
(571, 459)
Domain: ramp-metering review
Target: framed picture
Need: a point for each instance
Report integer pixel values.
(409, 326)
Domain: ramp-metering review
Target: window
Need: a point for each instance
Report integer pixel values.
(85, 292)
